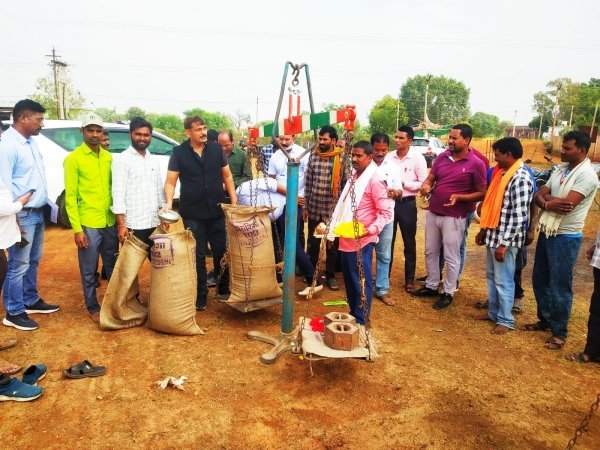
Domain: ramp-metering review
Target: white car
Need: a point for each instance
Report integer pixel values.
(429, 147)
(59, 137)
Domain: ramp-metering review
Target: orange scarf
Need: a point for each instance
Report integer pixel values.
(492, 204)
(335, 169)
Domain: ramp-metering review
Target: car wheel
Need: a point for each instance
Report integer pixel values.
(63, 218)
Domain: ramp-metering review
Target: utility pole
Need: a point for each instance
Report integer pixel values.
(594, 121)
(541, 122)
(514, 123)
(56, 66)
(555, 113)
(571, 116)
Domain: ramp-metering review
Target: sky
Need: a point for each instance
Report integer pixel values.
(169, 56)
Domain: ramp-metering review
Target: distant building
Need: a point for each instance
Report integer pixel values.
(522, 132)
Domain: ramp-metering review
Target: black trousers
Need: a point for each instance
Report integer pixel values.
(212, 231)
(520, 263)
(314, 245)
(592, 345)
(405, 217)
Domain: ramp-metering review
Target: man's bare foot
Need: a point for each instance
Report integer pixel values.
(500, 329)
(482, 316)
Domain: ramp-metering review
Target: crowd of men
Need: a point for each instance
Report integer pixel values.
(108, 200)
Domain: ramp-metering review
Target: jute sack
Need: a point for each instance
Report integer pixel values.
(173, 289)
(252, 272)
(120, 307)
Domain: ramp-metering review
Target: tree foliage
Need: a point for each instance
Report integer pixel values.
(45, 94)
(108, 115)
(169, 124)
(135, 111)
(448, 101)
(386, 114)
(486, 125)
(240, 120)
(213, 120)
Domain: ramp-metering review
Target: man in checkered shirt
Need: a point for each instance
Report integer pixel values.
(504, 220)
(323, 183)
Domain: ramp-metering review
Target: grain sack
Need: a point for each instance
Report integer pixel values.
(120, 307)
(172, 307)
(252, 272)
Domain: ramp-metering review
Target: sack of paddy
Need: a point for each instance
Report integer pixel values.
(120, 307)
(252, 271)
(172, 306)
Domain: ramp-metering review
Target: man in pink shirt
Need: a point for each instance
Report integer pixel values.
(373, 210)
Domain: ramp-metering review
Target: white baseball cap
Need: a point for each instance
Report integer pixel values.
(91, 119)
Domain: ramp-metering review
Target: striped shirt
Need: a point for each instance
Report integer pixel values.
(512, 228)
(318, 192)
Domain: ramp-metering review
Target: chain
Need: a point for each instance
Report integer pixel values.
(584, 423)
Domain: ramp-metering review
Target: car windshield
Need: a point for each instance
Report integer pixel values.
(70, 138)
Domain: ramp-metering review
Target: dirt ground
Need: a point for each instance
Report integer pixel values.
(442, 381)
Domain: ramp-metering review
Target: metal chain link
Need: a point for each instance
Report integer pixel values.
(584, 424)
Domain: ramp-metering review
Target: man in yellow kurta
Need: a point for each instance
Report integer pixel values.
(88, 200)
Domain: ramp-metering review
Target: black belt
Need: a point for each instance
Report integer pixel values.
(408, 198)
(33, 209)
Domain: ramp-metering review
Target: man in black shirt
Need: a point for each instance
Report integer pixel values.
(202, 170)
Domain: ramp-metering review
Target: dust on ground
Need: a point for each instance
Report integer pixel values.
(442, 381)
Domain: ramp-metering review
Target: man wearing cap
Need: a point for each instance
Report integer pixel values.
(88, 200)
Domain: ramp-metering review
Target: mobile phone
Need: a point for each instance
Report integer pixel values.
(24, 242)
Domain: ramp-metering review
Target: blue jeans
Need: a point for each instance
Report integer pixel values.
(101, 242)
(501, 286)
(383, 256)
(20, 286)
(352, 282)
(552, 281)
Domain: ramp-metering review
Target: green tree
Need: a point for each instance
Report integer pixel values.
(561, 91)
(108, 115)
(45, 94)
(240, 120)
(588, 97)
(215, 120)
(169, 124)
(384, 113)
(135, 111)
(485, 125)
(546, 122)
(448, 101)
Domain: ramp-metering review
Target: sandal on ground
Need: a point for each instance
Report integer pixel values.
(410, 287)
(7, 368)
(83, 370)
(5, 344)
(537, 326)
(554, 343)
(582, 358)
(483, 304)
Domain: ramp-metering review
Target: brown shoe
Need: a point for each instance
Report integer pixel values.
(386, 299)
(95, 317)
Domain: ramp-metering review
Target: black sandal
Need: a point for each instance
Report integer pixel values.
(83, 370)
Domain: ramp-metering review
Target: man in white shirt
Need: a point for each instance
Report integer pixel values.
(390, 174)
(278, 170)
(137, 185)
(413, 169)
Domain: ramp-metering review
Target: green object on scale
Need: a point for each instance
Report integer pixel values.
(336, 303)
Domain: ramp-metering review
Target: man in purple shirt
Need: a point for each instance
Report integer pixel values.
(456, 181)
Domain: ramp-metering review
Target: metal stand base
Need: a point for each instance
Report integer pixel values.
(284, 343)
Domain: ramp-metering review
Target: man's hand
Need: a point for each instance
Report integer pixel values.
(168, 206)
(304, 215)
(81, 240)
(122, 233)
(559, 206)
(590, 252)
(499, 253)
(425, 189)
(25, 198)
(301, 201)
(529, 236)
(480, 238)
(453, 199)
(165, 226)
(365, 234)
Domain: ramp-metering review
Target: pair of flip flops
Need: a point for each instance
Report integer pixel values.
(84, 369)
